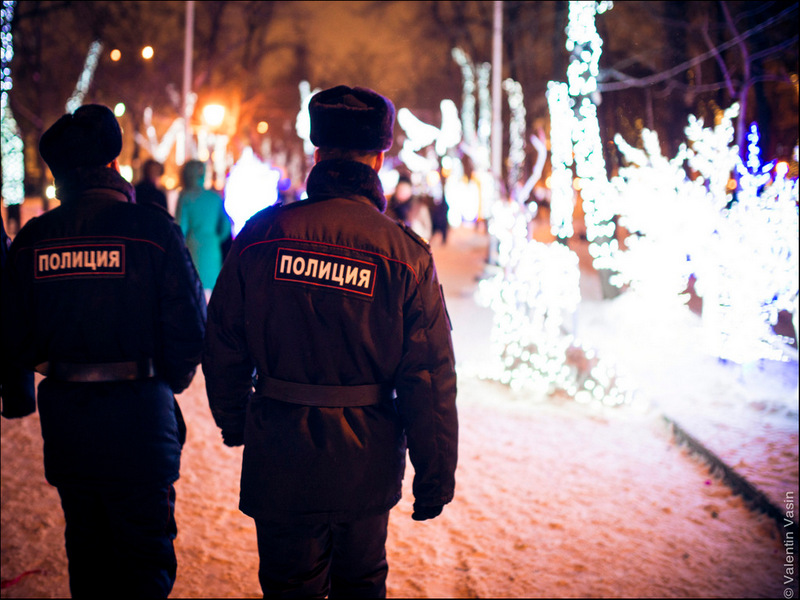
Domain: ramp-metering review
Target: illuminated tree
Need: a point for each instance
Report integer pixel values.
(749, 271)
(573, 113)
(742, 248)
(534, 296)
(13, 160)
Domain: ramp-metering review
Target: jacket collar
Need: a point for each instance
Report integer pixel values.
(79, 182)
(345, 179)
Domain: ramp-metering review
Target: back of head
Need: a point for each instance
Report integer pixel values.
(355, 121)
(88, 137)
(193, 174)
(152, 170)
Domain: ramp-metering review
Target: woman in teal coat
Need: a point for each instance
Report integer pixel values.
(205, 225)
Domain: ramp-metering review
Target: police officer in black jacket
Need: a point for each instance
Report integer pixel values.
(328, 354)
(101, 297)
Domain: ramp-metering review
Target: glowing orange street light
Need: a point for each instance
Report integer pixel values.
(262, 127)
(214, 114)
(147, 52)
(115, 54)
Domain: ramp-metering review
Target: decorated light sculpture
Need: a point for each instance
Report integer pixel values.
(251, 186)
(160, 149)
(420, 136)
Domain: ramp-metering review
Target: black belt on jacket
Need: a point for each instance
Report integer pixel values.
(331, 396)
(98, 372)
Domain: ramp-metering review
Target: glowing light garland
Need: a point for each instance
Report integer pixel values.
(562, 194)
(303, 120)
(13, 158)
(516, 131)
(536, 174)
(85, 80)
(483, 152)
(534, 298)
(468, 113)
(585, 46)
(476, 124)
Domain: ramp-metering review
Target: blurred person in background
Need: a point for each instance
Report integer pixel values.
(410, 209)
(201, 215)
(100, 296)
(148, 191)
(328, 354)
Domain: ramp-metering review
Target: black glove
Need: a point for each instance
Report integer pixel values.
(423, 513)
(233, 438)
(17, 392)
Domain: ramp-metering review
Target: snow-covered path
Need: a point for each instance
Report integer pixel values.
(552, 500)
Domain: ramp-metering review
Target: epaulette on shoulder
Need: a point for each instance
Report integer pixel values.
(415, 236)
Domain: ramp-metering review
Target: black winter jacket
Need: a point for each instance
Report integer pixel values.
(332, 294)
(97, 280)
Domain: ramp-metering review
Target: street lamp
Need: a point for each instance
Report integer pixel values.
(214, 115)
(213, 142)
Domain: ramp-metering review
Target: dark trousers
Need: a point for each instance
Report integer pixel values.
(120, 542)
(339, 560)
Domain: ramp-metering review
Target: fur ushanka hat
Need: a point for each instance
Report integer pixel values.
(351, 119)
(88, 137)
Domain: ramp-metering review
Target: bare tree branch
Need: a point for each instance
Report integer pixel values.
(632, 82)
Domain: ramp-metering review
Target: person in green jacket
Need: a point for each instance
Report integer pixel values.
(205, 224)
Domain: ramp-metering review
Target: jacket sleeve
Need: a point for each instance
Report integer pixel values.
(182, 316)
(426, 393)
(16, 377)
(227, 365)
(17, 390)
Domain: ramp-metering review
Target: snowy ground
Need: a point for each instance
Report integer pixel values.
(553, 499)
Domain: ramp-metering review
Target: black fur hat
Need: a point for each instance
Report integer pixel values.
(351, 119)
(89, 137)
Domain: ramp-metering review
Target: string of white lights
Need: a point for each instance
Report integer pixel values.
(468, 112)
(750, 270)
(516, 131)
(13, 158)
(534, 296)
(85, 79)
(688, 216)
(561, 176)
